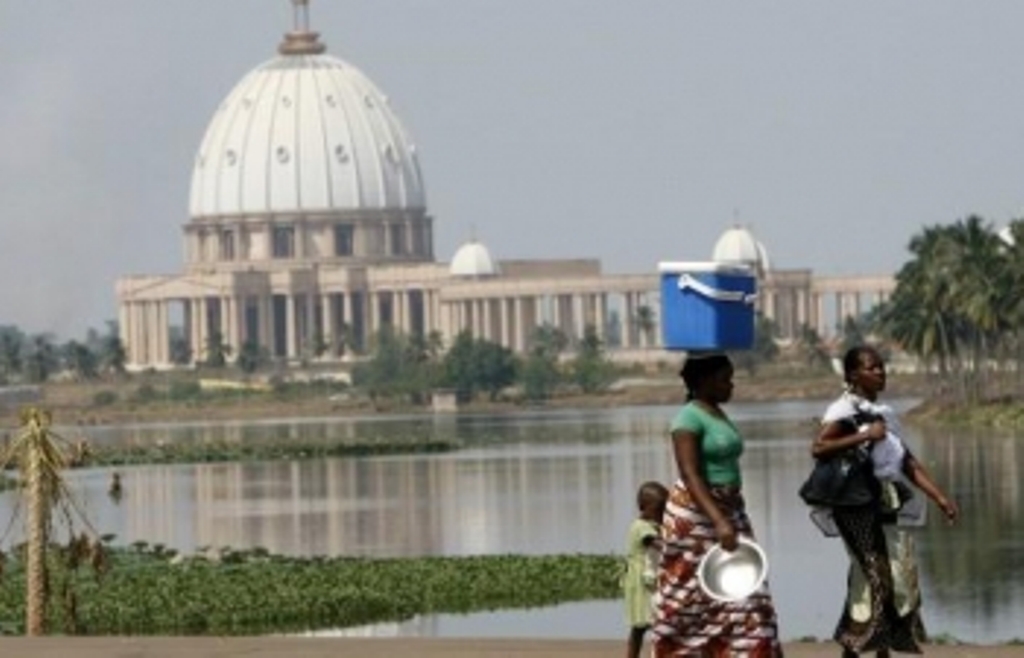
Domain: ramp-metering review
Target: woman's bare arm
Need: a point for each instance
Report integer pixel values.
(918, 474)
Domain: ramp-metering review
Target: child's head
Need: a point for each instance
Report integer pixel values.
(651, 499)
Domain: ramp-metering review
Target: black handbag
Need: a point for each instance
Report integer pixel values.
(843, 480)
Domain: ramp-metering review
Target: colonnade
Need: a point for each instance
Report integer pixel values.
(624, 311)
(286, 325)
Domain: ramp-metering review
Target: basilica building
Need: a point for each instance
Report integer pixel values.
(309, 226)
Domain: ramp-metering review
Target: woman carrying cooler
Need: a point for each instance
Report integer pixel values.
(706, 507)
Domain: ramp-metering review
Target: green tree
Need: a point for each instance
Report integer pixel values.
(645, 322)
(812, 349)
(112, 354)
(460, 369)
(540, 372)
(42, 359)
(180, 351)
(497, 367)
(591, 370)
(393, 370)
(81, 360)
(765, 349)
(951, 305)
(12, 345)
(251, 357)
(217, 351)
(853, 332)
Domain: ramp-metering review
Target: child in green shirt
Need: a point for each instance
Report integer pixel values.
(643, 544)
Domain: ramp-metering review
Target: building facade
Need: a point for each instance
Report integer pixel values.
(309, 229)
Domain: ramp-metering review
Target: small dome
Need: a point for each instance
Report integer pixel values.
(1006, 236)
(473, 260)
(738, 245)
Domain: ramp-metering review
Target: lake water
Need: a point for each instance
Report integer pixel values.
(565, 481)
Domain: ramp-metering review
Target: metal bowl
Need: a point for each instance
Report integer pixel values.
(733, 576)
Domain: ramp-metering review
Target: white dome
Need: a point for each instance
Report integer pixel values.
(304, 132)
(473, 260)
(738, 245)
(1006, 235)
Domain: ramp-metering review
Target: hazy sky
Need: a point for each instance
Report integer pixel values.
(629, 131)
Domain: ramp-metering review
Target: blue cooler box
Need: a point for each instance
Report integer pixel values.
(707, 306)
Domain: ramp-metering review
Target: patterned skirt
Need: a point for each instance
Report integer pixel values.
(687, 622)
(883, 601)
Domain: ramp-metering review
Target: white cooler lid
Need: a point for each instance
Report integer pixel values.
(716, 267)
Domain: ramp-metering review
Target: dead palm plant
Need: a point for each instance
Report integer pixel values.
(41, 455)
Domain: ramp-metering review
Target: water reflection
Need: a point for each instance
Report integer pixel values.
(564, 482)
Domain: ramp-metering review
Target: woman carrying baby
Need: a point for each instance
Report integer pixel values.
(882, 608)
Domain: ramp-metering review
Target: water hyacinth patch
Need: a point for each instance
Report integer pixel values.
(152, 591)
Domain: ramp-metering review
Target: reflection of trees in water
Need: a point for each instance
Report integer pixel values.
(589, 426)
(570, 427)
(977, 564)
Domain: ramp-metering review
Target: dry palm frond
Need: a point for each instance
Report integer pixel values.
(41, 456)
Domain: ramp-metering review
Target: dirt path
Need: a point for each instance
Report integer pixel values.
(379, 648)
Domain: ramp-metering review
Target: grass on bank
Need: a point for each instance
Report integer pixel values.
(149, 591)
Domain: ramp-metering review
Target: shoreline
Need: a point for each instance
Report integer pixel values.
(275, 647)
(70, 403)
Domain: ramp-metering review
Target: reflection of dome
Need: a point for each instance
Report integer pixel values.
(304, 132)
(473, 260)
(738, 245)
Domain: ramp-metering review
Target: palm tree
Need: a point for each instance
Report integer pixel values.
(113, 355)
(217, 351)
(42, 359)
(645, 323)
(813, 348)
(11, 345)
(81, 360)
(950, 300)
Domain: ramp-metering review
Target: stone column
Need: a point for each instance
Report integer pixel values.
(819, 314)
(802, 312)
(601, 315)
(151, 324)
(124, 327)
(266, 323)
(144, 329)
(346, 308)
(163, 333)
(309, 313)
(238, 329)
(629, 327)
(518, 339)
(404, 319)
(204, 327)
(327, 329)
(291, 328)
(504, 318)
(374, 324)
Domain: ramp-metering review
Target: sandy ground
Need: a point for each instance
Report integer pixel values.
(378, 648)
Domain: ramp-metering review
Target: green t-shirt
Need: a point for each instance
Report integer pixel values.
(720, 443)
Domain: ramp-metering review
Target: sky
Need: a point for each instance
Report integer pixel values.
(633, 132)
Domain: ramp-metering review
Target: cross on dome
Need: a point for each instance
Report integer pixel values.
(301, 40)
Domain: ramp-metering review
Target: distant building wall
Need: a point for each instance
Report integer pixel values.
(539, 269)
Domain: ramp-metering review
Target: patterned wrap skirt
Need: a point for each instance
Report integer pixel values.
(687, 622)
(883, 600)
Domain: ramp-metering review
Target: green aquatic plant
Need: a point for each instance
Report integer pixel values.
(149, 590)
